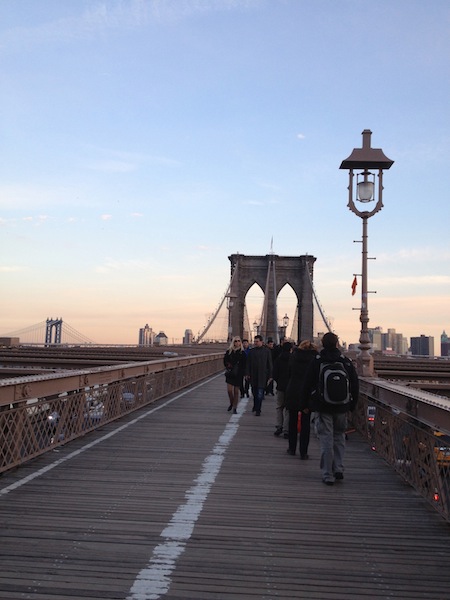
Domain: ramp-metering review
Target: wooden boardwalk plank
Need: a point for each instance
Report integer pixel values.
(267, 528)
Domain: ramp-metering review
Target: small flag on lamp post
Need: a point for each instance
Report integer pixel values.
(354, 284)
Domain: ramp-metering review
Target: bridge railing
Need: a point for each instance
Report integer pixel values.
(410, 429)
(39, 413)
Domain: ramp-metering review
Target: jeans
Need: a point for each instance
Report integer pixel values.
(331, 431)
(258, 395)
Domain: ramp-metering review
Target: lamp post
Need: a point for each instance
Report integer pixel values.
(365, 159)
(285, 324)
(230, 300)
(255, 327)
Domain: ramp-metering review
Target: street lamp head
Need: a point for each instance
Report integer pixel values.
(365, 187)
(365, 159)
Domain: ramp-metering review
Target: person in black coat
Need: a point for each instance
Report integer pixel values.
(258, 371)
(281, 376)
(274, 351)
(234, 361)
(299, 361)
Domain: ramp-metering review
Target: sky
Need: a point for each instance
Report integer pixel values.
(144, 141)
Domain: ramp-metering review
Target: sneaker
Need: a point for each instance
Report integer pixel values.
(291, 452)
(305, 457)
(257, 413)
(234, 411)
(278, 431)
(328, 481)
(339, 476)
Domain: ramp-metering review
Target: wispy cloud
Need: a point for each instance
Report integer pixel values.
(112, 166)
(418, 255)
(116, 161)
(11, 269)
(113, 266)
(29, 197)
(106, 217)
(103, 16)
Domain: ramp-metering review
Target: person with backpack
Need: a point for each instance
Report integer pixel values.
(331, 388)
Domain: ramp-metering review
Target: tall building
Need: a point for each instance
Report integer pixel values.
(394, 342)
(445, 345)
(146, 336)
(161, 339)
(376, 338)
(188, 337)
(422, 346)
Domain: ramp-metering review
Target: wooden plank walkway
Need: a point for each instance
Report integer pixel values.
(184, 501)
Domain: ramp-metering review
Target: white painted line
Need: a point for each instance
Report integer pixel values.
(64, 459)
(155, 579)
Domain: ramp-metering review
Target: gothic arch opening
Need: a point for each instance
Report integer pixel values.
(287, 303)
(254, 300)
(271, 273)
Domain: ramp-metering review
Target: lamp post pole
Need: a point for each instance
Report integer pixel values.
(365, 158)
(365, 358)
(285, 324)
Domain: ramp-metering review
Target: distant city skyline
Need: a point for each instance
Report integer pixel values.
(147, 336)
(143, 142)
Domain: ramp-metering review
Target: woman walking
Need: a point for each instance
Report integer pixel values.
(234, 361)
(298, 363)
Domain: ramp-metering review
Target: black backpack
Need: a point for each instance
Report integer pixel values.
(334, 384)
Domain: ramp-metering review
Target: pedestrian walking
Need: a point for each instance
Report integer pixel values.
(269, 391)
(281, 377)
(299, 360)
(259, 371)
(234, 361)
(245, 384)
(331, 388)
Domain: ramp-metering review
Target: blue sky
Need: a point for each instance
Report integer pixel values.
(144, 141)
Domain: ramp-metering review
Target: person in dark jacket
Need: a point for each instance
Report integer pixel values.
(259, 371)
(332, 421)
(274, 353)
(234, 361)
(281, 377)
(298, 364)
